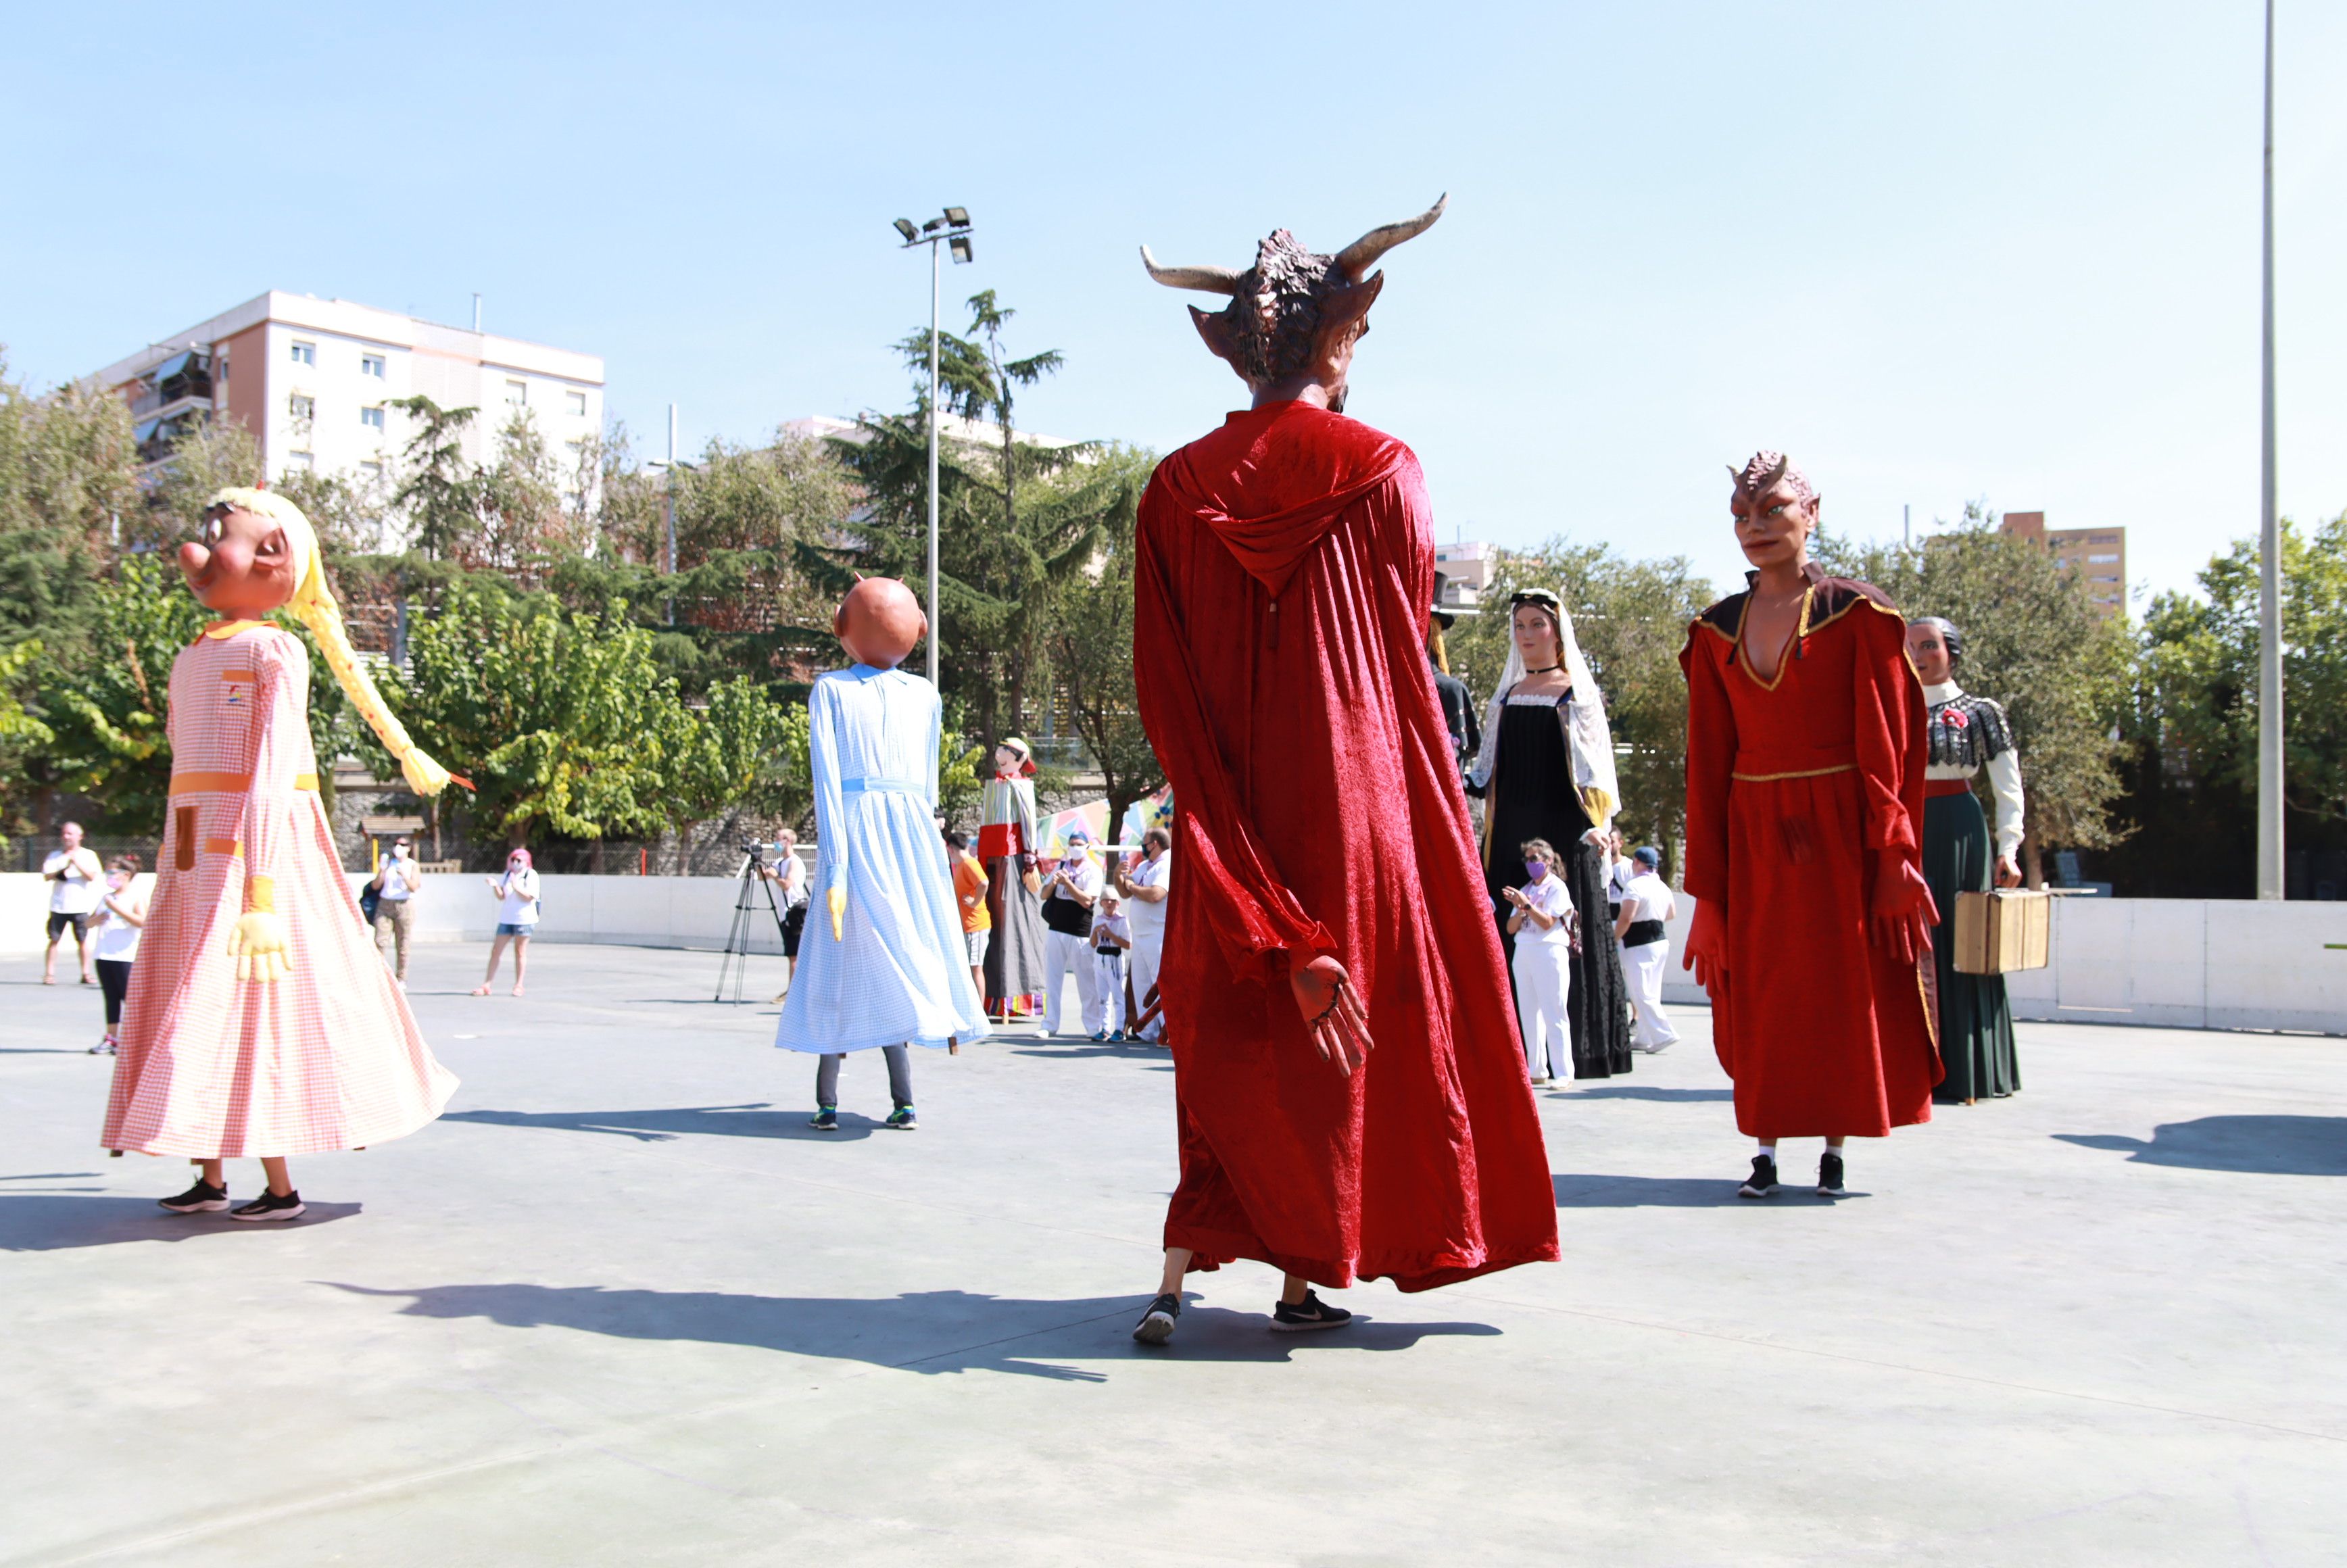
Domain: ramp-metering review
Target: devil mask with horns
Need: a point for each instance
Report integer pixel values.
(1295, 315)
(1775, 510)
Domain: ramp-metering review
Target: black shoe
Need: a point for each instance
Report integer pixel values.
(270, 1206)
(825, 1120)
(1762, 1182)
(903, 1119)
(1157, 1324)
(1830, 1176)
(203, 1198)
(1309, 1313)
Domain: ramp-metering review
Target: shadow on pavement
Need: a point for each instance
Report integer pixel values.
(1076, 1047)
(2261, 1146)
(40, 1050)
(1594, 1192)
(755, 1119)
(993, 1334)
(1644, 1092)
(56, 1222)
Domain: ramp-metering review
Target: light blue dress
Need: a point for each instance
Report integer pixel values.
(899, 972)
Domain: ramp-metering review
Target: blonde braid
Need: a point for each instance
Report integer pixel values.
(314, 605)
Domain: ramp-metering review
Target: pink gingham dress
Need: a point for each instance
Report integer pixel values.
(213, 1067)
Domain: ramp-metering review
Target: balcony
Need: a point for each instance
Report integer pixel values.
(177, 380)
(155, 435)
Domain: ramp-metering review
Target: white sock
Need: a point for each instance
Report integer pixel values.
(1769, 1153)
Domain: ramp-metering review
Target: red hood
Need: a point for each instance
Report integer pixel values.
(1272, 481)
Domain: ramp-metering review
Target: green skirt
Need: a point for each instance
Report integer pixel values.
(1975, 1021)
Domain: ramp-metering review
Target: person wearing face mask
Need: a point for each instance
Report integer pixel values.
(1547, 930)
(1546, 771)
(116, 921)
(517, 896)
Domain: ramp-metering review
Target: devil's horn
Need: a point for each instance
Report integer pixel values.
(1769, 481)
(1356, 258)
(1735, 477)
(1205, 279)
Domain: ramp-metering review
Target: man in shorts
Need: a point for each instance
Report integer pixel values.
(970, 891)
(75, 878)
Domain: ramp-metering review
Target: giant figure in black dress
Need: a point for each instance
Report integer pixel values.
(1546, 770)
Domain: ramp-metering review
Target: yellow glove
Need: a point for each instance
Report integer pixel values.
(837, 900)
(261, 945)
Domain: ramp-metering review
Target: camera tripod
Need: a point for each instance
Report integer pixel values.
(745, 905)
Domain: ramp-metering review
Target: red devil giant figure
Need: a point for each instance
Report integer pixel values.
(1327, 901)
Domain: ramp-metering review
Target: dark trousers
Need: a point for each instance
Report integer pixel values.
(113, 980)
(900, 1077)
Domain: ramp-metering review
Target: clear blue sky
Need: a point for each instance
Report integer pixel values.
(1939, 252)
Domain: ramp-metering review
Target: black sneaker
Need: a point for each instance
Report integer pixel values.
(1157, 1324)
(270, 1206)
(825, 1120)
(203, 1198)
(1762, 1182)
(903, 1119)
(1830, 1176)
(1309, 1313)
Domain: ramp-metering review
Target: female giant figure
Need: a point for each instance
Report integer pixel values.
(1547, 771)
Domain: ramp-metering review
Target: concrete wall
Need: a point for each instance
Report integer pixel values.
(2183, 963)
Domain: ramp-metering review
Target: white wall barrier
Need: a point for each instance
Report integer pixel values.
(2177, 962)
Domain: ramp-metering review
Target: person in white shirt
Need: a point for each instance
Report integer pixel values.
(116, 923)
(1642, 924)
(395, 883)
(74, 877)
(517, 896)
(1112, 937)
(1071, 888)
(1547, 929)
(1145, 888)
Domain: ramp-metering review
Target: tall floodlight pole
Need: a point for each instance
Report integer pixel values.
(668, 512)
(953, 228)
(2270, 693)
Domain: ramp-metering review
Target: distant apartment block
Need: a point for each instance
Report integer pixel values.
(2097, 555)
(1462, 572)
(313, 381)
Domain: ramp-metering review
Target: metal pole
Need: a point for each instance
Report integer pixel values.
(1906, 525)
(2270, 694)
(668, 512)
(933, 285)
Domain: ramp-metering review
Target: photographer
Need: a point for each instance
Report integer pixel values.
(395, 884)
(789, 874)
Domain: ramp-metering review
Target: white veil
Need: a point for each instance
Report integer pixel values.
(1588, 738)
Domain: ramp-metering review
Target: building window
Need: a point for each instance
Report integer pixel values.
(305, 353)
(517, 393)
(2104, 561)
(302, 405)
(372, 418)
(371, 364)
(370, 469)
(301, 460)
(577, 401)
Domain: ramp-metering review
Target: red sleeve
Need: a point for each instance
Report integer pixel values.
(1711, 759)
(1888, 708)
(1223, 866)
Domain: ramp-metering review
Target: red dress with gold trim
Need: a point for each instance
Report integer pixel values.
(1793, 785)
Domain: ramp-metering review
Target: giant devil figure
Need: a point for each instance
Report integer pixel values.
(1328, 900)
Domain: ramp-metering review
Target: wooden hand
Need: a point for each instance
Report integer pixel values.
(1331, 1006)
(2008, 874)
(1706, 947)
(1902, 914)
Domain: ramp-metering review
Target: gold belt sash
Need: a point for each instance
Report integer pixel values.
(229, 784)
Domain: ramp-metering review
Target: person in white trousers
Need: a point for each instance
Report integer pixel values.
(1642, 925)
(1071, 888)
(1112, 937)
(1546, 929)
(1145, 888)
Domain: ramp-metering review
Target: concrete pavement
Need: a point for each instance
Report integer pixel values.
(622, 1306)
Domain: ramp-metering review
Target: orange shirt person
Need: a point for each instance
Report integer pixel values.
(970, 891)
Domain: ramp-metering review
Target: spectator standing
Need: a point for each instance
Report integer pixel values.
(1642, 925)
(1546, 929)
(74, 877)
(1145, 888)
(396, 881)
(1112, 937)
(1071, 888)
(120, 915)
(517, 896)
(789, 874)
(969, 892)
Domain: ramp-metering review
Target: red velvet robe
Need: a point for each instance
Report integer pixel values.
(1792, 787)
(1284, 568)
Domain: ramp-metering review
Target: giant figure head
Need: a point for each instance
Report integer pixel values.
(879, 621)
(1775, 510)
(1295, 315)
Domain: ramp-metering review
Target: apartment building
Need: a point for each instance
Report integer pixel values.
(313, 381)
(2097, 555)
(1462, 572)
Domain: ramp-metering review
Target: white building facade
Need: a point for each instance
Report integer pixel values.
(313, 381)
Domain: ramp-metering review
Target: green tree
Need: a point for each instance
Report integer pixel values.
(741, 751)
(439, 493)
(208, 457)
(1090, 639)
(2032, 642)
(1630, 619)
